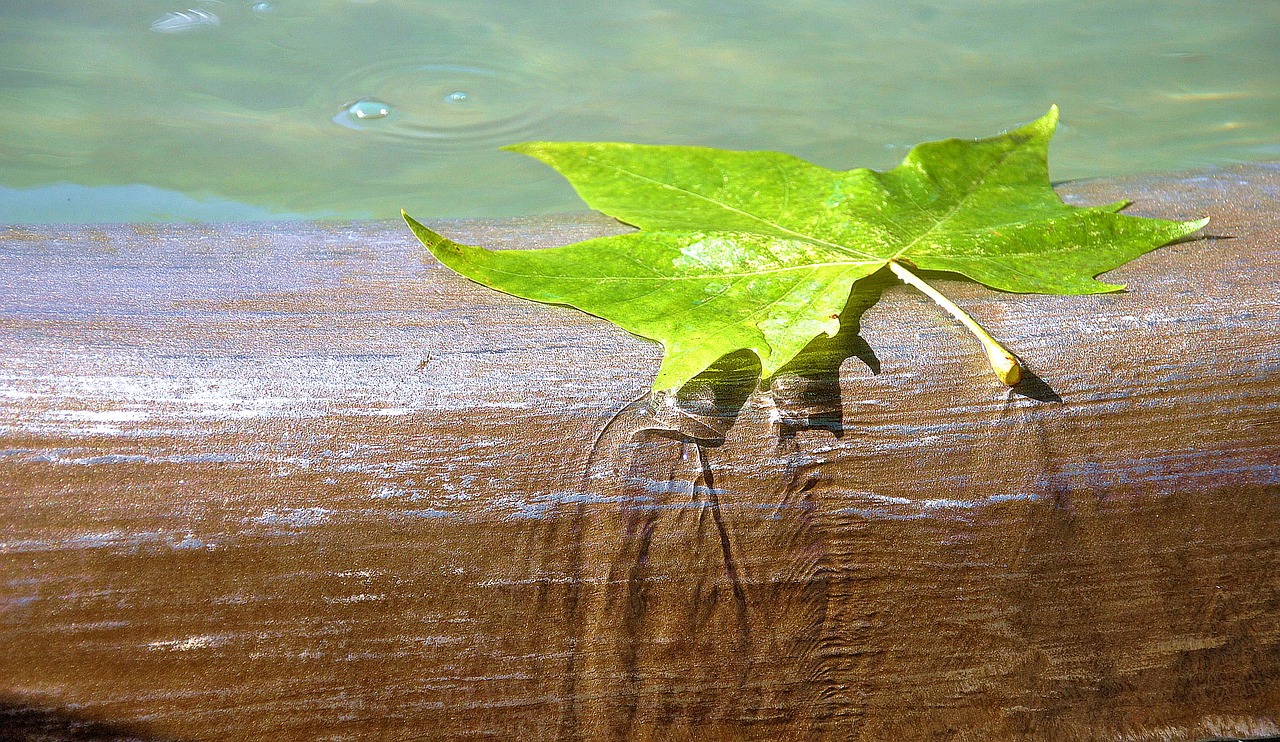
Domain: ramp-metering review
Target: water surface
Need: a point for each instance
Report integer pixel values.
(204, 110)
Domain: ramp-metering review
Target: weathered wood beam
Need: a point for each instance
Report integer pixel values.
(299, 481)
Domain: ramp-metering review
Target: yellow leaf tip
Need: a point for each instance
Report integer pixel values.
(1041, 128)
(1050, 119)
(414, 224)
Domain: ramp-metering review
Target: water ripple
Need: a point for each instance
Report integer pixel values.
(441, 103)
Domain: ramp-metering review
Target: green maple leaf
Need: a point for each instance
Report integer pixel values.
(760, 250)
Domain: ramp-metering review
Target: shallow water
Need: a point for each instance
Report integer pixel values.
(203, 110)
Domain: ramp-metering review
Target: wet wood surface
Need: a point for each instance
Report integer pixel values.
(300, 482)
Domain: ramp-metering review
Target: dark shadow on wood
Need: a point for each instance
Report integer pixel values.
(24, 721)
(805, 393)
(706, 407)
(1033, 387)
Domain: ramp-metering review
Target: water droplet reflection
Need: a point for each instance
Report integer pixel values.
(183, 21)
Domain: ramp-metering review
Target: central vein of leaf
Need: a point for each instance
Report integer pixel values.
(695, 277)
(728, 207)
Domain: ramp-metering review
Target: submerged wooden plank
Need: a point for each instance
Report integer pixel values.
(299, 482)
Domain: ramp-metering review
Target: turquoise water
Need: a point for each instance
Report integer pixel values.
(161, 110)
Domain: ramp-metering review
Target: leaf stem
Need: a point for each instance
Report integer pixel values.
(1002, 361)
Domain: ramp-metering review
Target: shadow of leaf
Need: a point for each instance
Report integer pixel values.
(806, 392)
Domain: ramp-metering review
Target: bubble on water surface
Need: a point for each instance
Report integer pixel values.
(369, 109)
(262, 7)
(184, 21)
(355, 115)
(442, 103)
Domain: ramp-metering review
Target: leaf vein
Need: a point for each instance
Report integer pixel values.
(729, 207)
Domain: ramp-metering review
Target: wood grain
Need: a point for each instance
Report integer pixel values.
(298, 481)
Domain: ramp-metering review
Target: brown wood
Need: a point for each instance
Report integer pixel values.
(299, 482)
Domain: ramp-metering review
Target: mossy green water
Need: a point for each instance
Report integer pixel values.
(250, 109)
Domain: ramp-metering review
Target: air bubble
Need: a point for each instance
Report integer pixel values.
(369, 109)
(262, 7)
(353, 115)
(458, 96)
